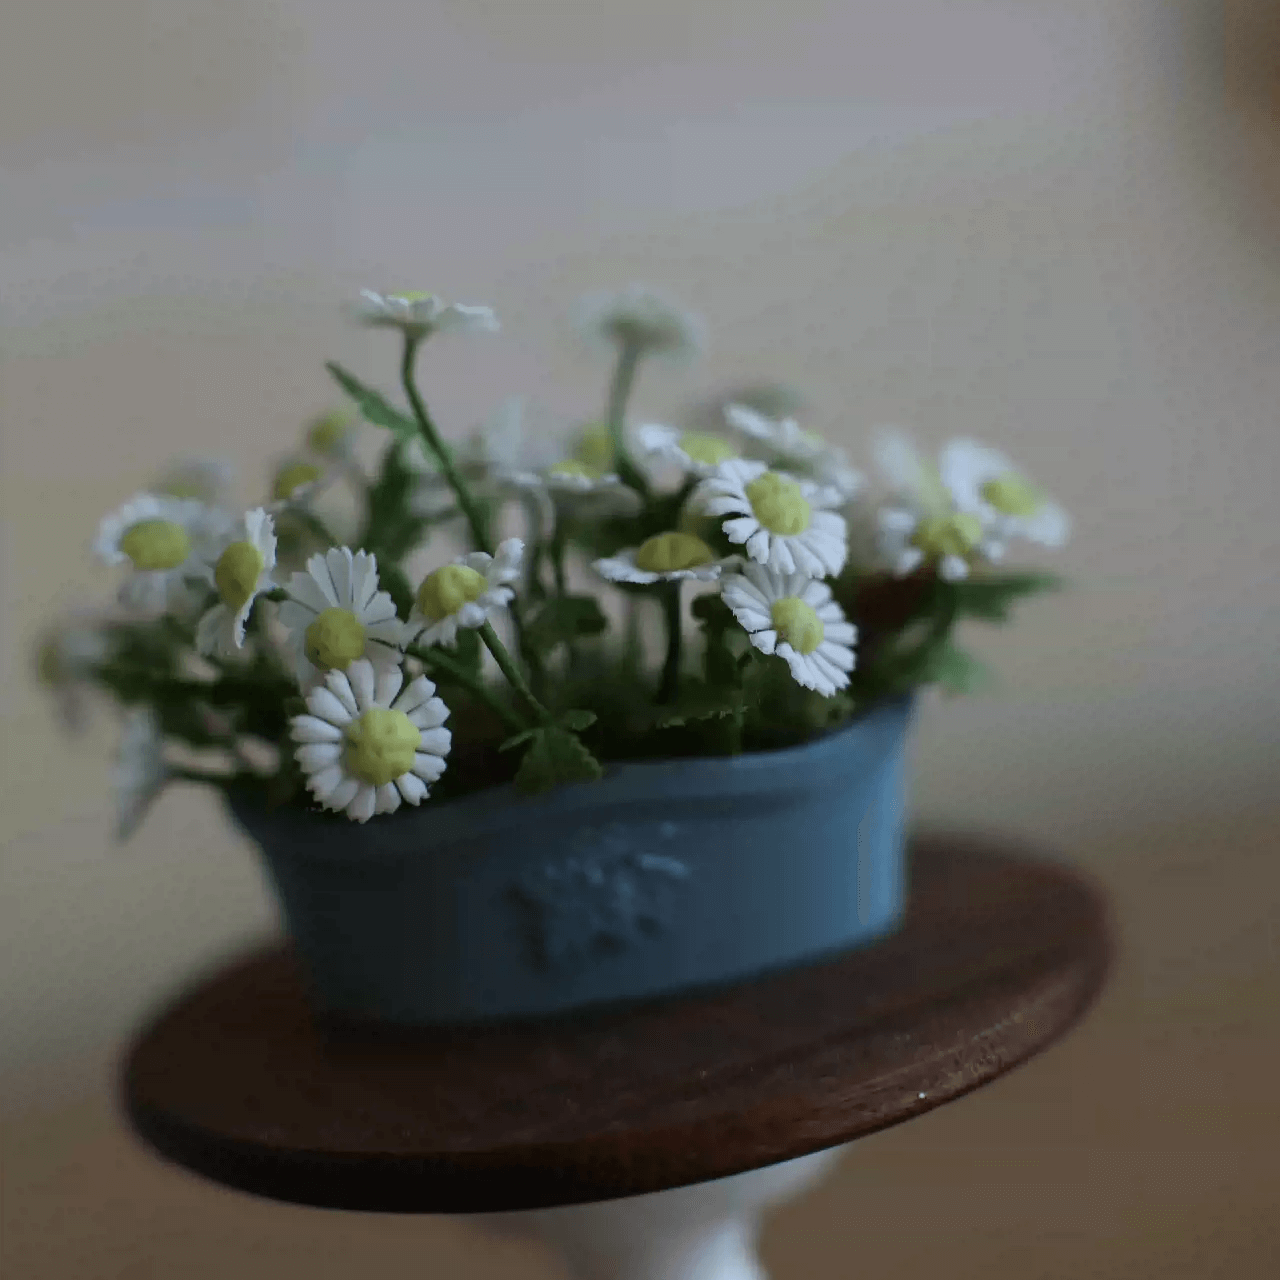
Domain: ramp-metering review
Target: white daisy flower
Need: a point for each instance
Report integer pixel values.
(164, 540)
(791, 446)
(335, 615)
(983, 481)
(794, 616)
(418, 314)
(587, 467)
(464, 593)
(365, 745)
(778, 520)
(666, 557)
(239, 572)
(696, 453)
(205, 479)
(641, 319)
(297, 480)
(140, 773)
(924, 524)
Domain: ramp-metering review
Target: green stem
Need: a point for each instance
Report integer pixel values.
(671, 668)
(559, 545)
(313, 524)
(444, 665)
(442, 454)
(624, 376)
(514, 677)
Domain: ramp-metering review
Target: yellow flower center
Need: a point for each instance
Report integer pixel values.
(292, 477)
(668, 552)
(381, 745)
(1011, 495)
(183, 487)
(953, 535)
(156, 544)
(334, 640)
(572, 467)
(446, 590)
(412, 295)
(325, 432)
(778, 504)
(595, 448)
(236, 573)
(707, 449)
(797, 624)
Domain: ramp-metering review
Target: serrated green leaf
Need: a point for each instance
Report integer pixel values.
(990, 597)
(701, 702)
(555, 757)
(562, 620)
(373, 407)
(577, 720)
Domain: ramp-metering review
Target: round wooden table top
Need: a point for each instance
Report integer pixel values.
(999, 955)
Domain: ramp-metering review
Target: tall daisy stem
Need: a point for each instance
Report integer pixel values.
(438, 662)
(443, 455)
(513, 674)
(624, 376)
(671, 668)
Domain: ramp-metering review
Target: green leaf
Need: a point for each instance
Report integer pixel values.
(701, 702)
(578, 720)
(564, 619)
(954, 669)
(373, 408)
(990, 597)
(555, 756)
(516, 739)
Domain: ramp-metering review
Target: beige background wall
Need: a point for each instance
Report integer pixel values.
(1052, 225)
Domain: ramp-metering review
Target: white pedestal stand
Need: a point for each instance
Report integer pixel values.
(703, 1232)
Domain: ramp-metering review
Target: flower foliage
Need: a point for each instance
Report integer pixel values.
(600, 591)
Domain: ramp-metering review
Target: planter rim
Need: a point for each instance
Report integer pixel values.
(803, 767)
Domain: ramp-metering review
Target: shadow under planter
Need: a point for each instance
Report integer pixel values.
(662, 878)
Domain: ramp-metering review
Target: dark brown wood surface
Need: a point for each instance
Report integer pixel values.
(999, 955)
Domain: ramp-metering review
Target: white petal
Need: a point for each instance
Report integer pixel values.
(319, 571)
(316, 756)
(743, 529)
(412, 788)
(414, 694)
(378, 608)
(339, 684)
(307, 594)
(472, 615)
(362, 804)
(953, 568)
(431, 715)
(766, 641)
(387, 686)
(388, 798)
(324, 784)
(342, 794)
(757, 545)
(781, 556)
(435, 742)
(360, 674)
(839, 633)
(324, 703)
(313, 729)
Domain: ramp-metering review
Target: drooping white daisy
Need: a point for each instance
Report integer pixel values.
(333, 434)
(641, 319)
(239, 572)
(365, 745)
(923, 525)
(205, 479)
(791, 446)
(335, 615)
(164, 541)
(778, 520)
(794, 616)
(296, 481)
(696, 453)
(586, 466)
(140, 773)
(419, 314)
(666, 557)
(982, 480)
(464, 593)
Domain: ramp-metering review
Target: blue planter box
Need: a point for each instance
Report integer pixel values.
(661, 878)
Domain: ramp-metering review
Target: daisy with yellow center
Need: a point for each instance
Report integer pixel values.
(163, 541)
(924, 525)
(983, 482)
(464, 593)
(205, 479)
(239, 571)
(666, 557)
(335, 615)
(696, 453)
(640, 319)
(418, 314)
(296, 480)
(794, 616)
(778, 520)
(366, 744)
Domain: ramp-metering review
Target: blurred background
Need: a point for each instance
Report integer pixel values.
(1050, 224)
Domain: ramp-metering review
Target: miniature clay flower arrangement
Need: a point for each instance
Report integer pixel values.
(594, 661)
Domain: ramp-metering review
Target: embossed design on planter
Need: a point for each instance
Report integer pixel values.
(609, 891)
